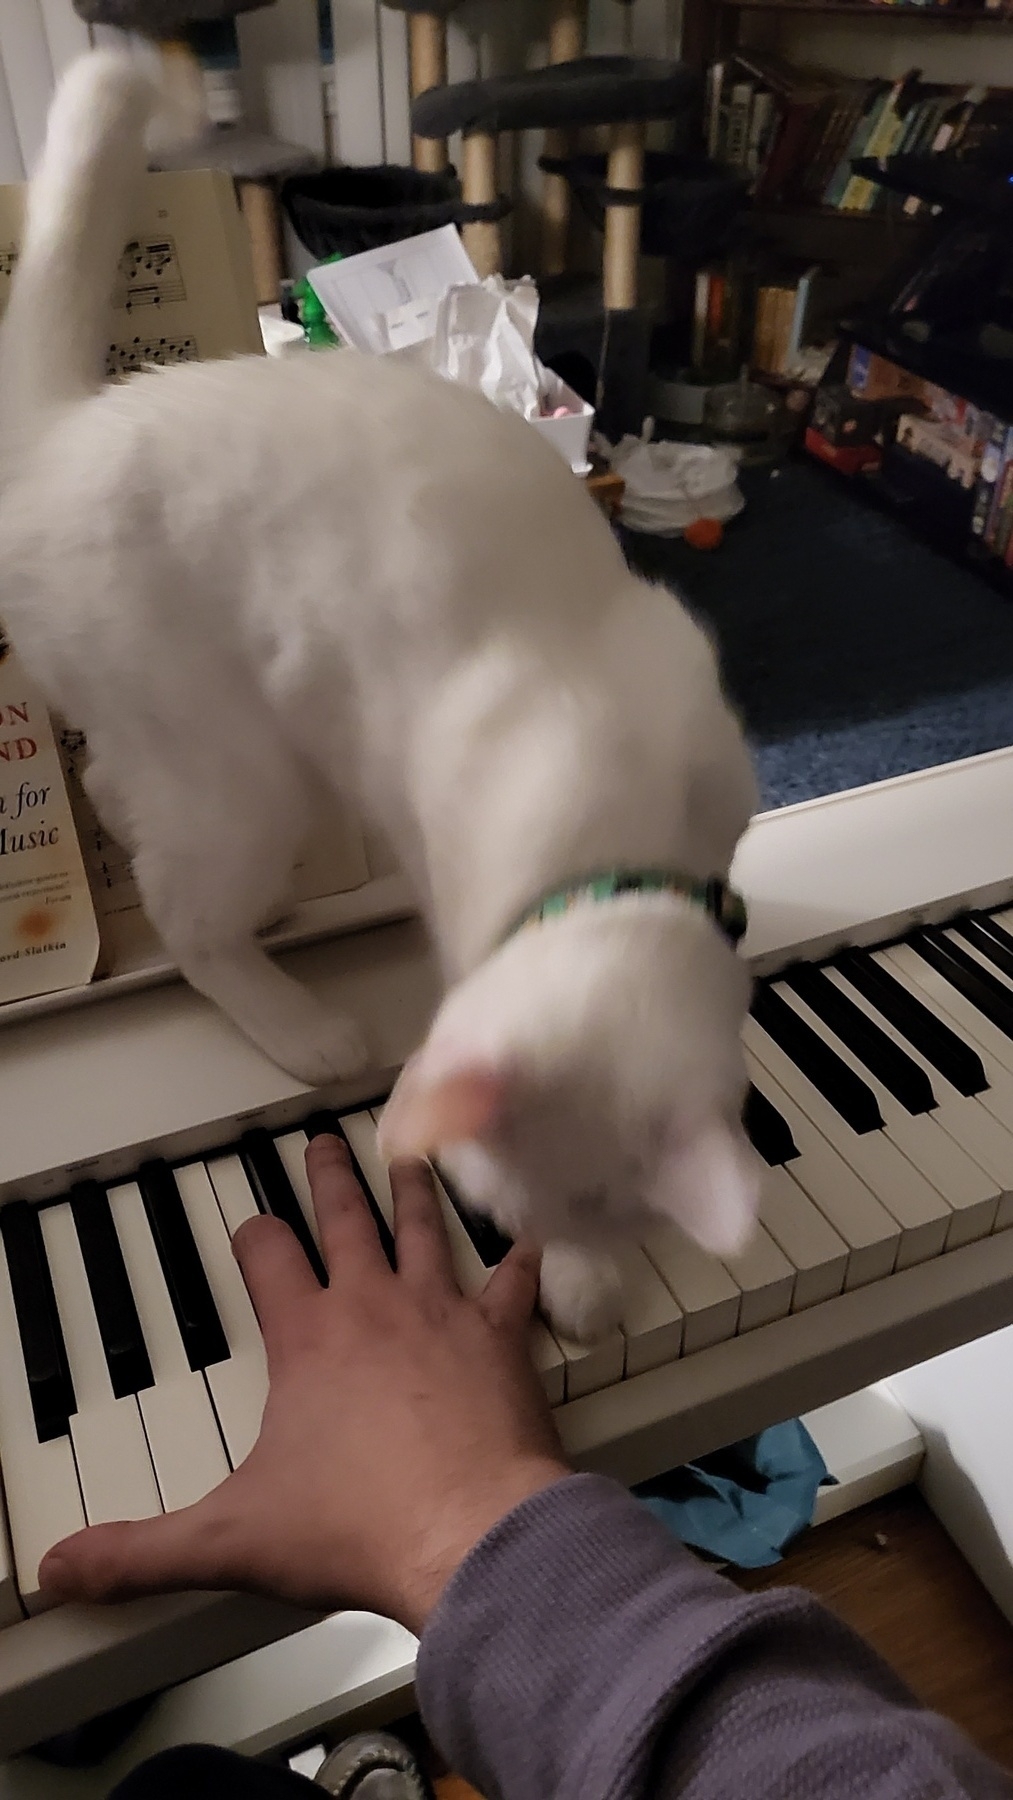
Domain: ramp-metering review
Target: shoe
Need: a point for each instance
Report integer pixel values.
(373, 1765)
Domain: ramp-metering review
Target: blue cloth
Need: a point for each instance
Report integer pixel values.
(746, 1503)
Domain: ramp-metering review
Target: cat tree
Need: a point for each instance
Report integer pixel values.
(255, 161)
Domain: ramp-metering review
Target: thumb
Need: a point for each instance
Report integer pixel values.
(193, 1548)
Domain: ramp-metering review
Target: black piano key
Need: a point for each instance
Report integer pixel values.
(328, 1123)
(988, 937)
(891, 1065)
(192, 1300)
(273, 1193)
(768, 1131)
(119, 1327)
(486, 1237)
(983, 990)
(42, 1345)
(937, 1041)
(839, 1085)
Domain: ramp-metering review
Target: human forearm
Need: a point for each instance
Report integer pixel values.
(580, 1652)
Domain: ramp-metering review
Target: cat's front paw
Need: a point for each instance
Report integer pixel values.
(328, 1048)
(580, 1292)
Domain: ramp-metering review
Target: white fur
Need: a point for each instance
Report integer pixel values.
(238, 577)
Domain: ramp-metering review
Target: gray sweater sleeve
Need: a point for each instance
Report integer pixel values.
(580, 1652)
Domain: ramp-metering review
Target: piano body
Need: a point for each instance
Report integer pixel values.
(133, 1116)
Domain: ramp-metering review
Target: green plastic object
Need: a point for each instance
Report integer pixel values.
(312, 316)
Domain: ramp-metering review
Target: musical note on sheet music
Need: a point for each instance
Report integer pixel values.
(8, 260)
(138, 353)
(149, 274)
(110, 876)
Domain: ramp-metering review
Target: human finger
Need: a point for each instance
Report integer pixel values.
(423, 1248)
(278, 1278)
(509, 1296)
(348, 1235)
(178, 1550)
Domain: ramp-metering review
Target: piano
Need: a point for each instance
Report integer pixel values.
(138, 1130)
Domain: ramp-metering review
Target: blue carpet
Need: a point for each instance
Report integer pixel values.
(852, 650)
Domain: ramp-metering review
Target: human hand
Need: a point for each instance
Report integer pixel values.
(402, 1421)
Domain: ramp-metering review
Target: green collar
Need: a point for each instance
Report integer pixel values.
(722, 903)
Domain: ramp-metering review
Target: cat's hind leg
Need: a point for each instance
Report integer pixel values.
(213, 854)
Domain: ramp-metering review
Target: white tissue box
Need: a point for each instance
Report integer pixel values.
(571, 435)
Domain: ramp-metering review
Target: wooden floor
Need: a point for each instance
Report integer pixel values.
(892, 1573)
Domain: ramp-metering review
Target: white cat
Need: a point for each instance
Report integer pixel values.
(239, 576)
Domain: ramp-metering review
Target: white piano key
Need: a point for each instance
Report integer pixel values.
(652, 1317)
(110, 1448)
(975, 1120)
(765, 1278)
(238, 1387)
(709, 1298)
(992, 1045)
(182, 1431)
(850, 1207)
(933, 990)
(40, 1480)
(977, 955)
(922, 1213)
(993, 1048)
(813, 1248)
(963, 1184)
(291, 1147)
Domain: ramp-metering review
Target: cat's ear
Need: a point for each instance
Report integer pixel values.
(709, 1184)
(425, 1113)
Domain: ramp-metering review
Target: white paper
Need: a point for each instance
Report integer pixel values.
(360, 292)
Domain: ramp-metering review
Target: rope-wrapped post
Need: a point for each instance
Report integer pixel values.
(427, 62)
(622, 218)
(481, 237)
(567, 34)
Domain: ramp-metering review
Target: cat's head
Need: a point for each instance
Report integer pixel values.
(588, 1078)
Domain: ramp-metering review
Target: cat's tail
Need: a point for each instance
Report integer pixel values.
(53, 341)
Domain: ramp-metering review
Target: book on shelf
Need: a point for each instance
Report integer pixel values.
(796, 132)
(748, 313)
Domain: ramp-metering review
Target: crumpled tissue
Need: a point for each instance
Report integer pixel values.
(484, 338)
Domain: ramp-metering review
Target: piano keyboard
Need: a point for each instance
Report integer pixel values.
(134, 1376)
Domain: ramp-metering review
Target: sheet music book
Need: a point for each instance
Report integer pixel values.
(49, 937)
(183, 290)
(184, 286)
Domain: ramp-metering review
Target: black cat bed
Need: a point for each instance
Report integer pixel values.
(359, 209)
(689, 203)
(592, 90)
(161, 18)
(431, 9)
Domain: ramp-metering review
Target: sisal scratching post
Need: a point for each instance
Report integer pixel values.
(567, 33)
(427, 61)
(481, 238)
(258, 204)
(622, 220)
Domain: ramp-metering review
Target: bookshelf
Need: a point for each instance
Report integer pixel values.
(876, 9)
(710, 28)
